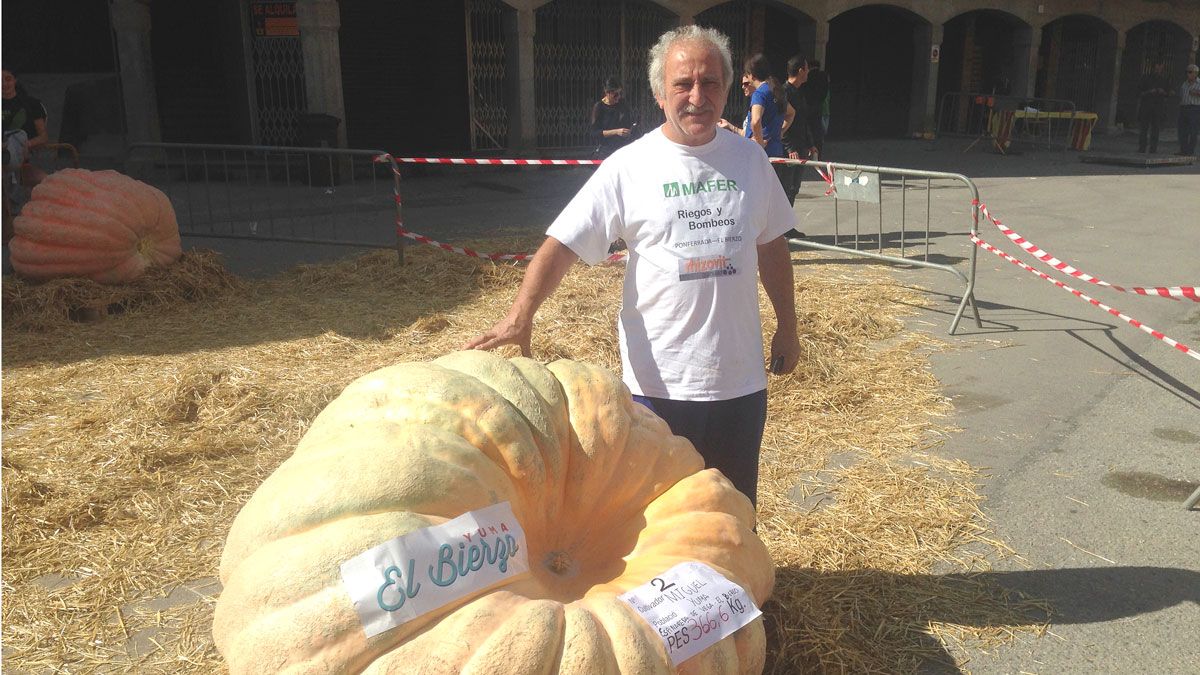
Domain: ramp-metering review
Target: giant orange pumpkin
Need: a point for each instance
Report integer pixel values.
(607, 496)
(100, 225)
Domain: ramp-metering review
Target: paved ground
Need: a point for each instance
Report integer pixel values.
(1090, 429)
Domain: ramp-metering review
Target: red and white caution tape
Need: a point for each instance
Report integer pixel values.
(490, 162)
(826, 175)
(1130, 320)
(1188, 292)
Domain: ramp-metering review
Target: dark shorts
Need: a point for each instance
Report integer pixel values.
(728, 434)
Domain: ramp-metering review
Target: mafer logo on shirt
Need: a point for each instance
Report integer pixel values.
(702, 268)
(689, 188)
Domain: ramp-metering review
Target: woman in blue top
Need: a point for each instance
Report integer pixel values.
(768, 107)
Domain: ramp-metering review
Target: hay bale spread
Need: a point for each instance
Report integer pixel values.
(131, 443)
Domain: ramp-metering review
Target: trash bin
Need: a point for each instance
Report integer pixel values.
(318, 130)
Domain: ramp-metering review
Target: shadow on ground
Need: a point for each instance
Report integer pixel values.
(854, 631)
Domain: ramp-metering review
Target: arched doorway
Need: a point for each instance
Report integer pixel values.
(1076, 62)
(1146, 44)
(874, 65)
(579, 43)
(777, 30)
(984, 51)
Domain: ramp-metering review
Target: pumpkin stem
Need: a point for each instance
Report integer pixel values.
(558, 562)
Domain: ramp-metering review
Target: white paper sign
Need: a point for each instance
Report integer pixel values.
(423, 570)
(692, 607)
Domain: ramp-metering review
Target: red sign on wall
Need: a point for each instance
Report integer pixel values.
(274, 19)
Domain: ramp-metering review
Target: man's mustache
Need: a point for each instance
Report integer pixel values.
(690, 109)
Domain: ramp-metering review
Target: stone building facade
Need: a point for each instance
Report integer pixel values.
(519, 76)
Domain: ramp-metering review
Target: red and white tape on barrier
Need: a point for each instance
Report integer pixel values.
(1130, 320)
(1188, 292)
(492, 162)
(517, 257)
(826, 175)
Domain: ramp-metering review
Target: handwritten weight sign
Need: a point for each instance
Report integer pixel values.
(429, 568)
(692, 607)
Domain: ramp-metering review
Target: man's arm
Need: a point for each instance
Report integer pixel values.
(775, 272)
(545, 273)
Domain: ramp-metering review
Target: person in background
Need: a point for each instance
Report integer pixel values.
(1189, 111)
(1152, 98)
(816, 95)
(612, 120)
(769, 110)
(24, 112)
(703, 215)
(797, 137)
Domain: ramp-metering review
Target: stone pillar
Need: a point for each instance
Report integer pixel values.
(519, 26)
(1108, 107)
(1024, 60)
(820, 43)
(923, 102)
(131, 27)
(1031, 70)
(319, 23)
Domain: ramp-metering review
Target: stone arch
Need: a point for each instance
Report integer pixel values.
(839, 8)
(984, 50)
(1077, 62)
(1145, 44)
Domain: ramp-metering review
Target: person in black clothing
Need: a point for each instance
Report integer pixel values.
(612, 120)
(26, 113)
(1152, 97)
(815, 90)
(797, 137)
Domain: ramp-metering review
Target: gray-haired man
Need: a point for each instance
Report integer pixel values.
(702, 214)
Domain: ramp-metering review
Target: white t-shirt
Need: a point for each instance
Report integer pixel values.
(692, 218)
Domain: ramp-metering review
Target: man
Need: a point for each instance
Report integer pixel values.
(1152, 97)
(816, 95)
(1189, 111)
(797, 137)
(23, 112)
(701, 212)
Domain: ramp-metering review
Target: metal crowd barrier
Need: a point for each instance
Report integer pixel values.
(1043, 121)
(329, 196)
(885, 197)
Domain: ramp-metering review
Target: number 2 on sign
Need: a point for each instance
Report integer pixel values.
(662, 585)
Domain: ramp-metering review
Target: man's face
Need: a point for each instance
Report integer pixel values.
(801, 76)
(10, 85)
(1191, 76)
(693, 93)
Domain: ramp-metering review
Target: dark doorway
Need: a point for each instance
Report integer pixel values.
(1146, 44)
(980, 53)
(404, 76)
(871, 71)
(1076, 63)
(199, 72)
